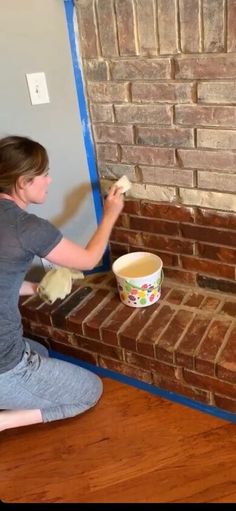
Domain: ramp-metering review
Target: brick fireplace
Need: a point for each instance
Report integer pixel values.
(185, 343)
(159, 77)
(162, 105)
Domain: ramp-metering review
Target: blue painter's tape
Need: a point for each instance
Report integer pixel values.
(171, 396)
(88, 141)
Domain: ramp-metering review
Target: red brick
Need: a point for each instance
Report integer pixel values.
(208, 349)
(182, 276)
(184, 352)
(96, 70)
(75, 300)
(226, 364)
(217, 181)
(132, 207)
(208, 234)
(107, 28)
(146, 92)
(165, 137)
(30, 305)
(73, 351)
(226, 255)
(179, 388)
(110, 330)
(170, 177)
(145, 114)
(126, 27)
(94, 346)
(229, 307)
(146, 18)
(59, 335)
(198, 265)
(155, 366)
(194, 300)
(164, 291)
(113, 134)
(42, 330)
(201, 115)
(126, 236)
(91, 326)
(209, 383)
(132, 372)
(210, 303)
(168, 341)
(148, 155)
(107, 152)
(88, 30)
(225, 403)
(129, 334)
(167, 212)
(97, 278)
(223, 219)
(217, 92)
(167, 17)
(213, 26)
(122, 221)
(164, 243)
(141, 69)
(226, 286)
(189, 13)
(108, 92)
(231, 26)
(75, 319)
(176, 296)
(152, 225)
(101, 113)
(149, 335)
(167, 258)
(215, 139)
(206, 67)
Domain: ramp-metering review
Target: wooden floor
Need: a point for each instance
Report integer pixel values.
(132, 447)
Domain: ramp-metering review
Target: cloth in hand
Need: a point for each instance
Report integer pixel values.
(57, 283)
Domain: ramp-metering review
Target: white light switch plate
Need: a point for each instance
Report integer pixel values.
(37, 86)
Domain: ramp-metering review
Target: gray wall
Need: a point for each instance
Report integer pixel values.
(34, 38)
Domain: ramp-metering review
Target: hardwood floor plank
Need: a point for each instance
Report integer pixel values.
(132, 447)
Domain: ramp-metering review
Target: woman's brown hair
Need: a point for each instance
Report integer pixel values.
(20, 156)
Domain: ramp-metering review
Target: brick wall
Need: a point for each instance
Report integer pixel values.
(184, 343)
(160, 85)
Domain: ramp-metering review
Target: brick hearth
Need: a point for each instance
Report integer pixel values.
(184, 343)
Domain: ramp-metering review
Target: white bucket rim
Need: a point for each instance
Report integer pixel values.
(124, 277)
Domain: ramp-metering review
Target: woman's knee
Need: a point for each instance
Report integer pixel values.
(94, 390)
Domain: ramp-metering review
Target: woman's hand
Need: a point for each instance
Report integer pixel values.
(70, 254)
(28, 288)
(114, 203)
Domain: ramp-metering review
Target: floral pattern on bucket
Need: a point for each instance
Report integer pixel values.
(139, 296)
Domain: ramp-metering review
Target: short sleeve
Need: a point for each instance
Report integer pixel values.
(37, 235)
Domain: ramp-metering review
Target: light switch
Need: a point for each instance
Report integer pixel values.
(37, 86)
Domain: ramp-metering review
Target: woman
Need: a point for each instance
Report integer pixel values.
(33, 387)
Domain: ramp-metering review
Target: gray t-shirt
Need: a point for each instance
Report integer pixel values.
(22, 236)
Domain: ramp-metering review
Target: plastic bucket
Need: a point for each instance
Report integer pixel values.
(139, 277)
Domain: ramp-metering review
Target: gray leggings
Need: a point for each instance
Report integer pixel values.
(59, 389)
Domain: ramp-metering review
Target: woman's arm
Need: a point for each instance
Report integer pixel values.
(28, 288)
(70, 254)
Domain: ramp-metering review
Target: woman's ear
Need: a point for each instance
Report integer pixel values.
(21, 182)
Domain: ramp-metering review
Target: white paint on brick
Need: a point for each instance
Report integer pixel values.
(217, 181)
(141, 191)
(214, 200)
